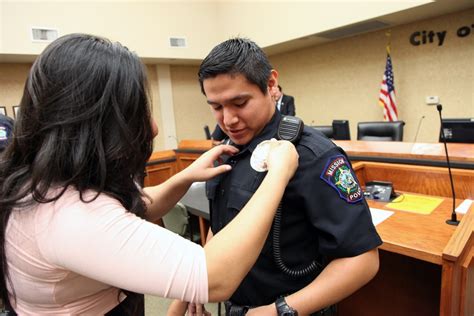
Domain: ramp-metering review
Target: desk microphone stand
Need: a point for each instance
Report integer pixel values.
(453, 220)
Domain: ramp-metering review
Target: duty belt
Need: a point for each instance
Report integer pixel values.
(235, 310)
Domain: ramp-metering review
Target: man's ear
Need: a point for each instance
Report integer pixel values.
(273, 80)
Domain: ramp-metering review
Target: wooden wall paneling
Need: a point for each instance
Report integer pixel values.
(467, 300)
(196, 145)
(421, 179)
(422, 152)
(403, 286)
(457, 296)
(359, 169)
(190, 150)
(161, 166)
(184, 159)
(159, 172)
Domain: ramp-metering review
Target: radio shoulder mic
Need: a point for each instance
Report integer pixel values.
(453, 220)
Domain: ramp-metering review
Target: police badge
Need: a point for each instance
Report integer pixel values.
(258, 160)
(340, 176)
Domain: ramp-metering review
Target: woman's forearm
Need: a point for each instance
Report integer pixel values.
(164, 196)
(338, 280)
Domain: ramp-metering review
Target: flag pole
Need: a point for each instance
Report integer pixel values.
(388, 34)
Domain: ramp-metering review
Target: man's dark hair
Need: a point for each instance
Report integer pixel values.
(84, 122)
(237, 56)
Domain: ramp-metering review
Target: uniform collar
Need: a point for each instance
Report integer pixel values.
(268, 132)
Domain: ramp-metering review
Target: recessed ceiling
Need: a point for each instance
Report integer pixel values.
(423, 12)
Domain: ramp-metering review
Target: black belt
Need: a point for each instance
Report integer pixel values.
(235, 310)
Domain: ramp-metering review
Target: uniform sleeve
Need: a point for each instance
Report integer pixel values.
(101, 241)
(335, 204)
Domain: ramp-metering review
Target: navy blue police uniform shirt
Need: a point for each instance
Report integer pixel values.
(324, 214)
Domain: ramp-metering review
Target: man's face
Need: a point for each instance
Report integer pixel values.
(239, 107)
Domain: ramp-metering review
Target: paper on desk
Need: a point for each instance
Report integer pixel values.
(464, 206)
(378, 215)
(415, 203)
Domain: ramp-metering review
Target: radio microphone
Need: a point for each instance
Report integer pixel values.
(453, 220)
(418, 129)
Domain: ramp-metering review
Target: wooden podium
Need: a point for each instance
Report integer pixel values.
(426, 265)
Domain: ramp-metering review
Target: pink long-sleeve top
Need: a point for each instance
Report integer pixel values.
(69, 257)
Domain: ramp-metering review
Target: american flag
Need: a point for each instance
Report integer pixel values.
(387, 93)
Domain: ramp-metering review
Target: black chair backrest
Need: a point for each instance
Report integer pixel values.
(457, 130)
(341, 130)
(380, 131)
(325, 129)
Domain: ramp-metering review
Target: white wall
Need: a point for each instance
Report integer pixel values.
(272, 22)
(341, 79)
(144, 26)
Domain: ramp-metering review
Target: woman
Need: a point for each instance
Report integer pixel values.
(74, 238)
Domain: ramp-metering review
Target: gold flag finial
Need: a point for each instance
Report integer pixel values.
(388, 33)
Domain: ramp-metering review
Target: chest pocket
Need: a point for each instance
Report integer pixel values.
(238, 197)
(242, 188)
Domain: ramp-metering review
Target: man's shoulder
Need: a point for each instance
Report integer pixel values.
(287, 97)
(315, 141)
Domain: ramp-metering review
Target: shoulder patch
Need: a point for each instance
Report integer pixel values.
(338, 174)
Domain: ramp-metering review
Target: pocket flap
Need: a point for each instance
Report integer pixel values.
(238, 197)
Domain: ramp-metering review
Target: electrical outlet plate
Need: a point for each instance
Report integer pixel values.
(432, 100)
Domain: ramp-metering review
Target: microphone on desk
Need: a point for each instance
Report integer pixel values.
(453, 220)
(418, 129)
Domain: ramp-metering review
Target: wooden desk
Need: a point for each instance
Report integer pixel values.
(420, 274)
(418, 179)
(430, 154)
(426, 265)
(161, 166)
(190, 150)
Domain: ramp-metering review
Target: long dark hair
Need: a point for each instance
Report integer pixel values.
(84, 122)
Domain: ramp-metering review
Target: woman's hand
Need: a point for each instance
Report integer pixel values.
(177, 308)
(195, 309)
(203, 168)
(282, 158)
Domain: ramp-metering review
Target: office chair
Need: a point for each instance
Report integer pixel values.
(207, 132)
(177, 220)
(325, 129)
(341, 130)
(380, 131)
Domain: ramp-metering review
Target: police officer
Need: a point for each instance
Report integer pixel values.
(323, 245)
